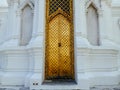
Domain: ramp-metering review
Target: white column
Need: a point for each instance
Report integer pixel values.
(8, 33)
(40, 19)
(80, 41)
(37, 42)
(18, 26)
(14, 13)
(102, 33)
(77, 18)
(80, 17)
(12, 32)
(83, 24)
(108, 30)
(39, 24)
(35, 18)
(80, 25)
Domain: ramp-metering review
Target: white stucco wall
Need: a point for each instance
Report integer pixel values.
(3, 23)
(21, 66)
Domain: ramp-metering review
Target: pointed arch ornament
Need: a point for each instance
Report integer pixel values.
(26, 2)
(92, 3)
(59, 50)
(92, 15)
(26, 22)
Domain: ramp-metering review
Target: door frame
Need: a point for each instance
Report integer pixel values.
(70, 19)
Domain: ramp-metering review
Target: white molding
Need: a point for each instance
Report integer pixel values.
(92, 3)
(26, 2)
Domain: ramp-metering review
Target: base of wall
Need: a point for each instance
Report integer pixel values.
(24, 67)
(113, 87)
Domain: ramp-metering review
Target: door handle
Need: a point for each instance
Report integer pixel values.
(59, 44)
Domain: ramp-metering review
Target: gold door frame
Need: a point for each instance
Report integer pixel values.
(70, 19)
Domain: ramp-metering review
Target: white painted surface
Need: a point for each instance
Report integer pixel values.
(21, 66)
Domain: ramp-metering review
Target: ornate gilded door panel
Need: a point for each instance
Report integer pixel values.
(53, 50)
(65, 57)
(59, 54)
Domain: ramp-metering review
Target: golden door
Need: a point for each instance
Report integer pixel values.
(59, 54)
(59, 60)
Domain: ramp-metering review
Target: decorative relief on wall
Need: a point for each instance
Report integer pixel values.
(92, 24)
(26, 25)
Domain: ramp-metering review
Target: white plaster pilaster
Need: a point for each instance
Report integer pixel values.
(107, 22)
(9, 20)
(38, 72)
(13, 4)
(80, 36)
(12, 38)
(77, 18)
(31, 67)
(101, 25)
(18, 26)
(83, 25)
(80, 23)
(42, 11)
(35, 19)
(107, 18)
(37, 43)
(14, 21)
(39, 24)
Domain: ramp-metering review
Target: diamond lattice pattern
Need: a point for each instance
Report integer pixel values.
(59, 61)
(55, 4)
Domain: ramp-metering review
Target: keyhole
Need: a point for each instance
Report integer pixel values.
(59, 44)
